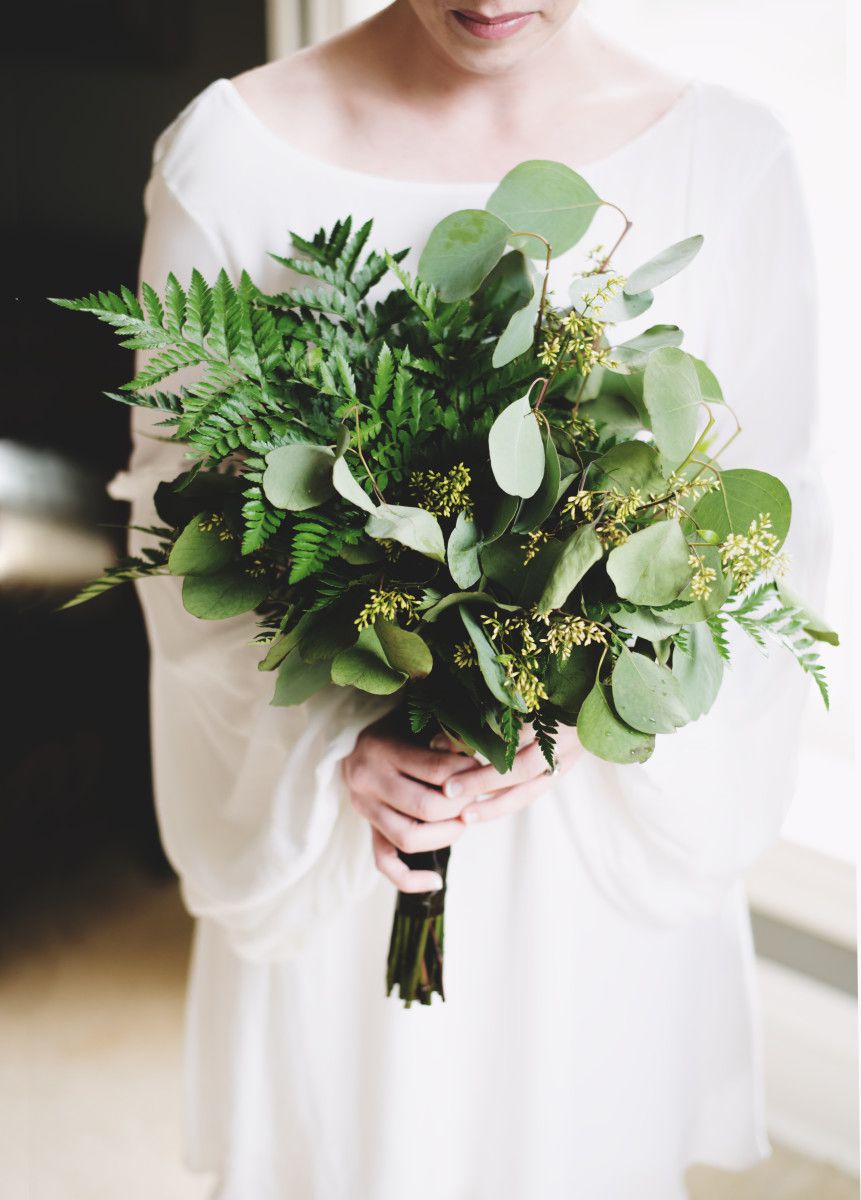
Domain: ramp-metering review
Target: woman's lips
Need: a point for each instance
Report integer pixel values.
(492, 28)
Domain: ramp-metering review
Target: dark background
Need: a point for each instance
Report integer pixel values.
(88, 85)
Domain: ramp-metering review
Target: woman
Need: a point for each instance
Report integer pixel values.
(600, 1029)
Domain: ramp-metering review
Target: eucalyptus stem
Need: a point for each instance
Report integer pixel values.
(605, 262)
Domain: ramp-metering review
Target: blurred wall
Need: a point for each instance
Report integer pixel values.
(87, 86)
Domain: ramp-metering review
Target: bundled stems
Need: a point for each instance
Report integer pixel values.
(415, 965)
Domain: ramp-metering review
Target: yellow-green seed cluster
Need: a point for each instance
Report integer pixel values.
(443, 493)
(387, 603)
(746, 555)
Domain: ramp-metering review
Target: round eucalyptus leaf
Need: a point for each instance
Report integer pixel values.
(672, 396)
(663, 266)
(297, 680)
(463, 544)
(517, 449)
(547, 198)
(199, 551)
(365, 666)
(405, 650)
(569, 681)
(630, 465)
(646, 695)
(461, 251)
(652, 566)
(698, 671)
(603, 734)
(578, 553)
(346, 485)
(298, 477)
(497, 519)
(744, 495)
(223, 594)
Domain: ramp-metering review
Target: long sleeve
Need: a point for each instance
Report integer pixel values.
(666, 840)
(252, 808)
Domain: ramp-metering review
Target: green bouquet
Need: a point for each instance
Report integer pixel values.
(463, 494)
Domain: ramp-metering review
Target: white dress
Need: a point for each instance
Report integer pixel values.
(600, 1030)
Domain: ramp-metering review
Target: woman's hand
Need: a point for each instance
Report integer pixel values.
(396, 786)
(485, 794)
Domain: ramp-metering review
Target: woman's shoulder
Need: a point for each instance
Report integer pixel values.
(736, 132)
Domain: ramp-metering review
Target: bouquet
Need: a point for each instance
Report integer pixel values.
(466, 494)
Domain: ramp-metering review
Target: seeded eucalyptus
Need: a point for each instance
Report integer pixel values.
(471, 497)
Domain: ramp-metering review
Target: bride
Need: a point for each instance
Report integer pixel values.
(600, 1031)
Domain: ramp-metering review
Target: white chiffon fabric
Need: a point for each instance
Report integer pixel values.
(601, 1027)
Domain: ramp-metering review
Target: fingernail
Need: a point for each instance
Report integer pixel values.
(453, 788)
(469, 817)
(436, 886)
(439, 742)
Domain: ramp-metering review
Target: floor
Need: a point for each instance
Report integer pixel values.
(90, 1047)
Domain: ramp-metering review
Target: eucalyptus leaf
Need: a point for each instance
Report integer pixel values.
(298, 477)
(743, 496)
(461, 251)
(330, 636)
(698, 670)
(223, 594)
(406, 651)
(673, 400)
(635, 352)
(346, 485)
(281, 647)
(623, 307)
(645, 624)
(463, 543)
(519, 333)
(630, 465)
(613, 416)
(508, 287)
(651, 567)
(200, 551)
(517, 449)
(502, 513)
(709, 386)
(603, 734)
(297, 680)
(814, 625)
(365, 666)
(577, 554)
(415, 528)
(429, 615)
(547, 198)
(663, 266)
(646, 695)
(535, 511)
(491, 669)
(569, 681)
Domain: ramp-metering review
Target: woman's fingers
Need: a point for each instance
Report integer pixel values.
(509, 800)
(430, 766)
(480, 781)
(390, 864)
(414, 836)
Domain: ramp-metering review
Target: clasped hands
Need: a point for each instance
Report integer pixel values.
(423, 799)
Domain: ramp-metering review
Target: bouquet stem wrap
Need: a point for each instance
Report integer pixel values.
(418, 934)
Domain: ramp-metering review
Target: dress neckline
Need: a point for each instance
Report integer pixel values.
(243, 109)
